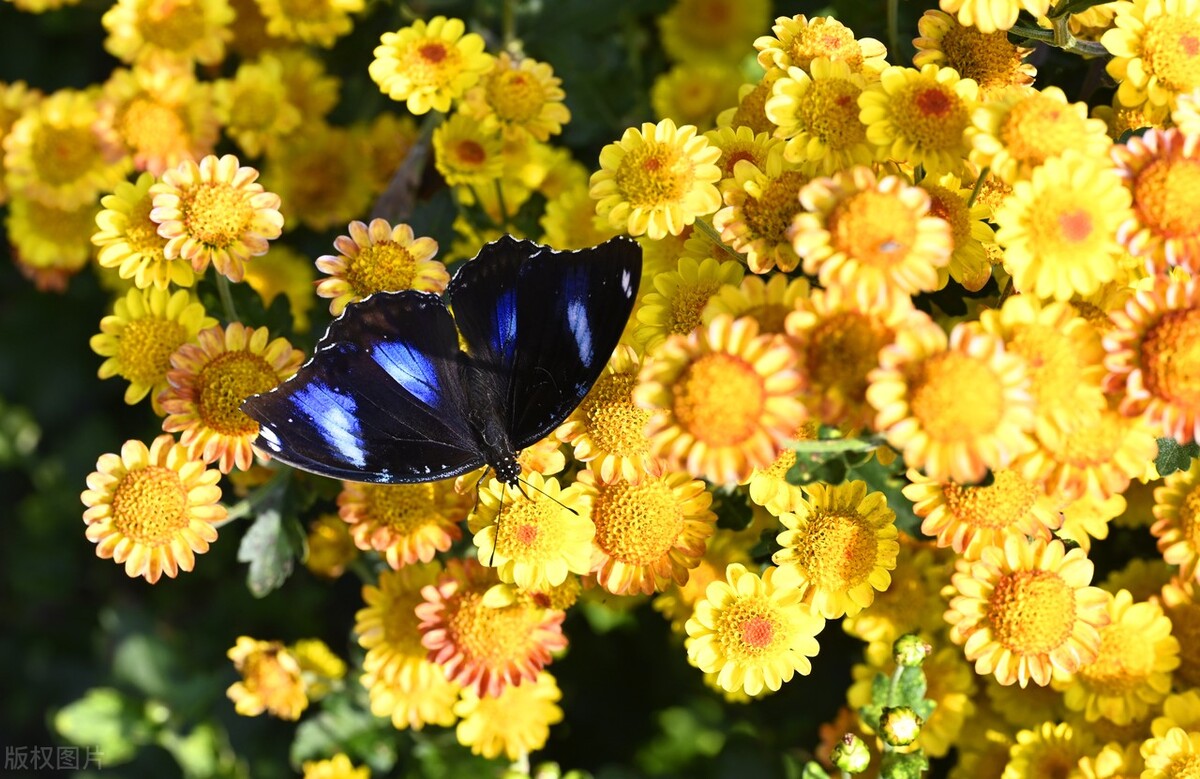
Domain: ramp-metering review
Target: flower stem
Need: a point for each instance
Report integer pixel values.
(715, 237)
(502, 205)
(983, 174)
(226, 298)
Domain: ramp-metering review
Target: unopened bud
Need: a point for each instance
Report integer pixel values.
(851, 754)
(900, 726)
(910, 651)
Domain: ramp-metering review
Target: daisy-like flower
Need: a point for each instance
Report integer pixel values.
(405, 522)
(152, 508)
(799, 40)
(970, 232)
(739, 143)
(16, 99)
(695, 94)
(838, 341)
(54, 154)
(874, 237)
(754, 632)
(1113, 762)
(676, 305)
(993, 15)
(711, 30)
(1059, 228)
(971, 518)
(677, 602)
(649, 533)
(759, 206)
(254, 106)
(129, 240)
(1177, 525)
(518, 96)
(513, 723)
(534, 540)
(841, 539)
(919, 116)
(605, 431)
(336, 767)
(377, 258)
(955, 407)
(1048, 749)
(912, 603)
(160, 113)
(1162, 171)
(989, 59)
(319, 24)
(215, 212)
(385, 143)
(466, 152)
(139, 337)
(1132, 669)
(403, 684)
(321, 177)
(1022, 128)
(49, 238)
(285, 271)
(272, 680)
(818, 114)
(428, 65)
(1155, 57)
(657, 180)
(1172, 756)
(330, 547)
(179, 31)
(210, 379)
(1154, 357)
(750, 111)
(486, 643)
(728, 399)
(1025, 610)
(769, 301)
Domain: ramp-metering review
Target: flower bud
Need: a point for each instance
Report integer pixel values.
(900, 726)
(851, 754)
(910, 651)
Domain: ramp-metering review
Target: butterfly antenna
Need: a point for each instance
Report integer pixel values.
(548, 495)
(496, 540)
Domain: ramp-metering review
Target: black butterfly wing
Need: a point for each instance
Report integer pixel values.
(545, 323)
(381, 400)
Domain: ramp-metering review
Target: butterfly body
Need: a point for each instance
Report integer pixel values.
(389, 396)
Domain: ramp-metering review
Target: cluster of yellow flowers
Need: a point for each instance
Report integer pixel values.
(787, 226)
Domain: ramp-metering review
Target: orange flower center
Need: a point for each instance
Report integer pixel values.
(837, 549)
(1001, 505)
(829, 112)
(875, 228)
(145, 348)
(1170, 355)
(750, 628)
(930, 115)
(495, 638)
(947, 205)
(278, 686)
(224, 385)
(1075, 225)
(64, 228)
(833, 41)
(380, 267)
(1164, 194)
(1039, 127)
(945, 411)
(515, 96)
(152, 128)
(614, 423)
(433, 52)
(653, 175)
(530, 530)
(720, 399)
(65, 154)
(1032, 612)
(637, 524)
(757, 632)
(687, 305)
(1123, 664)
(149, 506)
(770, 215)
(839, 353)
(470, 153)
(1170, 47)
(1182, 767)
(401, 508)
(215, 214)
(752, 113)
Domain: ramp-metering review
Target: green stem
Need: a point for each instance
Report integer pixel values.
(893, 27)
(1060, 37)
(502, 205)
(226, 298)
(715, 237)
(983, 174)
(246, 506)
(895, 683)
(508, 12)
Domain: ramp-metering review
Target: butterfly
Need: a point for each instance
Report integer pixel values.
(390, 397)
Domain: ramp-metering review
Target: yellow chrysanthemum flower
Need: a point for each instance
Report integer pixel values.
(677, 602)
(694, 94)
(1179, 710)
(321, 176)
(757, 218)
(1114, 761)
(173, 30)
(330, 546)
(152, 508)
(309, 87)
(16, 99)
(1024, 610)
(841, 539)
(285, 271)
(1018, 131)
(798, 40)
(407, 523)
(50, 238)
(1154, 357)
(271, 680)
(53, 153)
(657, 180)
(336, 767)
(1177, 520)
(139, 337)
(818, 114)
(754, 632)
(989, 59)
(874, 237)
(993, 15)
(1059, 227)
(1048, 749)
(750, 111)
(129, 240)
(378, 258)
(486, 638)
(1162, 171)
(254, 108)
(428, 65)
(708, 30)
(513, 723)
(1131, 673)
(919, 117)
(518, 96)
(215, 212)
(676, 305)
(467, 153)
(534, 539)
(209, 381)
(1155, 56)
(728, 397)
(402, 683)
(315, 23)
(738, 143)
(912, 603)
(1175, 755)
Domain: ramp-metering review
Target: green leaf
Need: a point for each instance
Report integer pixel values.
(343, 727)
(1173, 457)
(202, 753)
(105, 719)
(901, 766)
(910, 689)
(147, 664)
(813, 770)
(268, 549)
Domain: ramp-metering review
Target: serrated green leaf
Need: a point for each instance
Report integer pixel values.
(1172, 456)
(268, 551)
(903, 766)
(112, 723)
